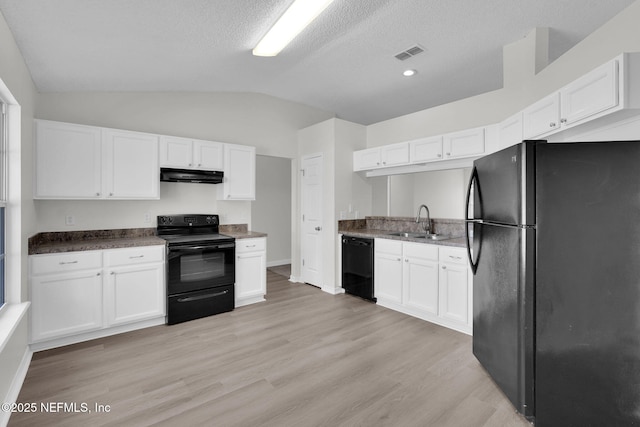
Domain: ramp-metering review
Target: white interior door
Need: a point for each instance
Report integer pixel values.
(311, 246)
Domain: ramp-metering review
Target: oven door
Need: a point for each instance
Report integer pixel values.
(200, 266)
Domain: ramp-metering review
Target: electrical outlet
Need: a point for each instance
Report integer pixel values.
(147, 217)
(70, 220)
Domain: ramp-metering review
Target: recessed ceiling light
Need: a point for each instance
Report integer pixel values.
(293, 21)
(409, 73)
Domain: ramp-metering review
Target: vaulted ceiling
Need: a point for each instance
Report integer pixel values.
(344, 62)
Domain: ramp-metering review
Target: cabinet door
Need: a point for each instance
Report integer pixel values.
(454, 293)
(251, 279)
(239, 173)
(595, 92)
(510, 131)
(67, 161)
(65, 304)
(395, 154)
(131, 165)
(421, 284)
(388, 277)
(464, 144)
(134, 293)
(176, 152)
(541, 117)
(425, 149)
(366, 159)
(208, 155)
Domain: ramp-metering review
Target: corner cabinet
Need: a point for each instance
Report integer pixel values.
(251, 271)
(239, 173)
(431, 282)
(85, 162)
(77, 296)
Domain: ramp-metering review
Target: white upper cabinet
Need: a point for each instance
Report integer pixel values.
(466, 143)
(239, 173)
(542, 117)
(510, 131)
(86, 162)
(130, 162)
(68, 161)
(185, 153)
(590, 94)
(593, 95)
(425, 149)
(366, 159)
(395, 154)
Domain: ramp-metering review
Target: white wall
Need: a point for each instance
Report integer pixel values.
(336, 140)
(271, 211)
(16, 78)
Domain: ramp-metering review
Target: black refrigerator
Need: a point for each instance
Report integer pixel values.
(554, 243)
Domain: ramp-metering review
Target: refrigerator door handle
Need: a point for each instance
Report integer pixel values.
(473, 181)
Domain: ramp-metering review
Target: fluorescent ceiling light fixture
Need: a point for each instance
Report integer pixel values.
(409, 73)
(295, 19)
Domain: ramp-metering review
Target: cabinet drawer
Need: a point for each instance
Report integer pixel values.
(388, 246)
(421, 250)
(64, 262)
(453, 255)
(251, 245)
(137, 255)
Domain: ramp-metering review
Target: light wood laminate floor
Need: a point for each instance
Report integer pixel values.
(302, 358)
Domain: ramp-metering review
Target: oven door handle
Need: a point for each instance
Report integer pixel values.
(199, 248)
(199, 297)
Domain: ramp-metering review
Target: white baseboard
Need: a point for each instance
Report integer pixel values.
(16, 385)
(277, 263)
(295, 279)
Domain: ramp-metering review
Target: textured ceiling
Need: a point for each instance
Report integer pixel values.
(344, 62)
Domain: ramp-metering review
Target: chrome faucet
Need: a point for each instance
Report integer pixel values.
(426, 225)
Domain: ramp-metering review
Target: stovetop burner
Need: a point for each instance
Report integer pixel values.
(195, 228)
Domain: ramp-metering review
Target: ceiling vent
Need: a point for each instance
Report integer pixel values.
(412, 51)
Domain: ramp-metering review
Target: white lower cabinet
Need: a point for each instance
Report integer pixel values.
(134, 287)
(66, 304)
(251, 271)
(78, 296)
(430, 282)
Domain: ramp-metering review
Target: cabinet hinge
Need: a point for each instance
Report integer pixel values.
(302, 170)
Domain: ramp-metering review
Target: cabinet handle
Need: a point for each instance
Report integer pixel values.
(113, 273)
(251, 246)
(98, 274)
(439, 155)
(199, 164)
(455, 257)
(406, 260)
(110, 194)
(552, 124)
(68, 262)
(448, 154)
(137, 256)
(384, 163)
(228, 196)
(190, 164)
(97, 194)
(378, 163)
(444, 267)
(563, 120)
(399, 259)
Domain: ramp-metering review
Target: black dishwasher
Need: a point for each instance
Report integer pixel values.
(357, 267)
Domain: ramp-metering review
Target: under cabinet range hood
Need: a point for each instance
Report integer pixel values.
(188, 175)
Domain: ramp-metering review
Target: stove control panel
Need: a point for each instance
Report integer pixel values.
(198, 220)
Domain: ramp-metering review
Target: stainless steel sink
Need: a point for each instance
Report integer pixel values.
(429, 236)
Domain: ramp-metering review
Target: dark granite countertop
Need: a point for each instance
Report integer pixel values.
(381, 227)
(91, 240)
(240, 231)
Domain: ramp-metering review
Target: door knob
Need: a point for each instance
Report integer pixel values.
(318, 228)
